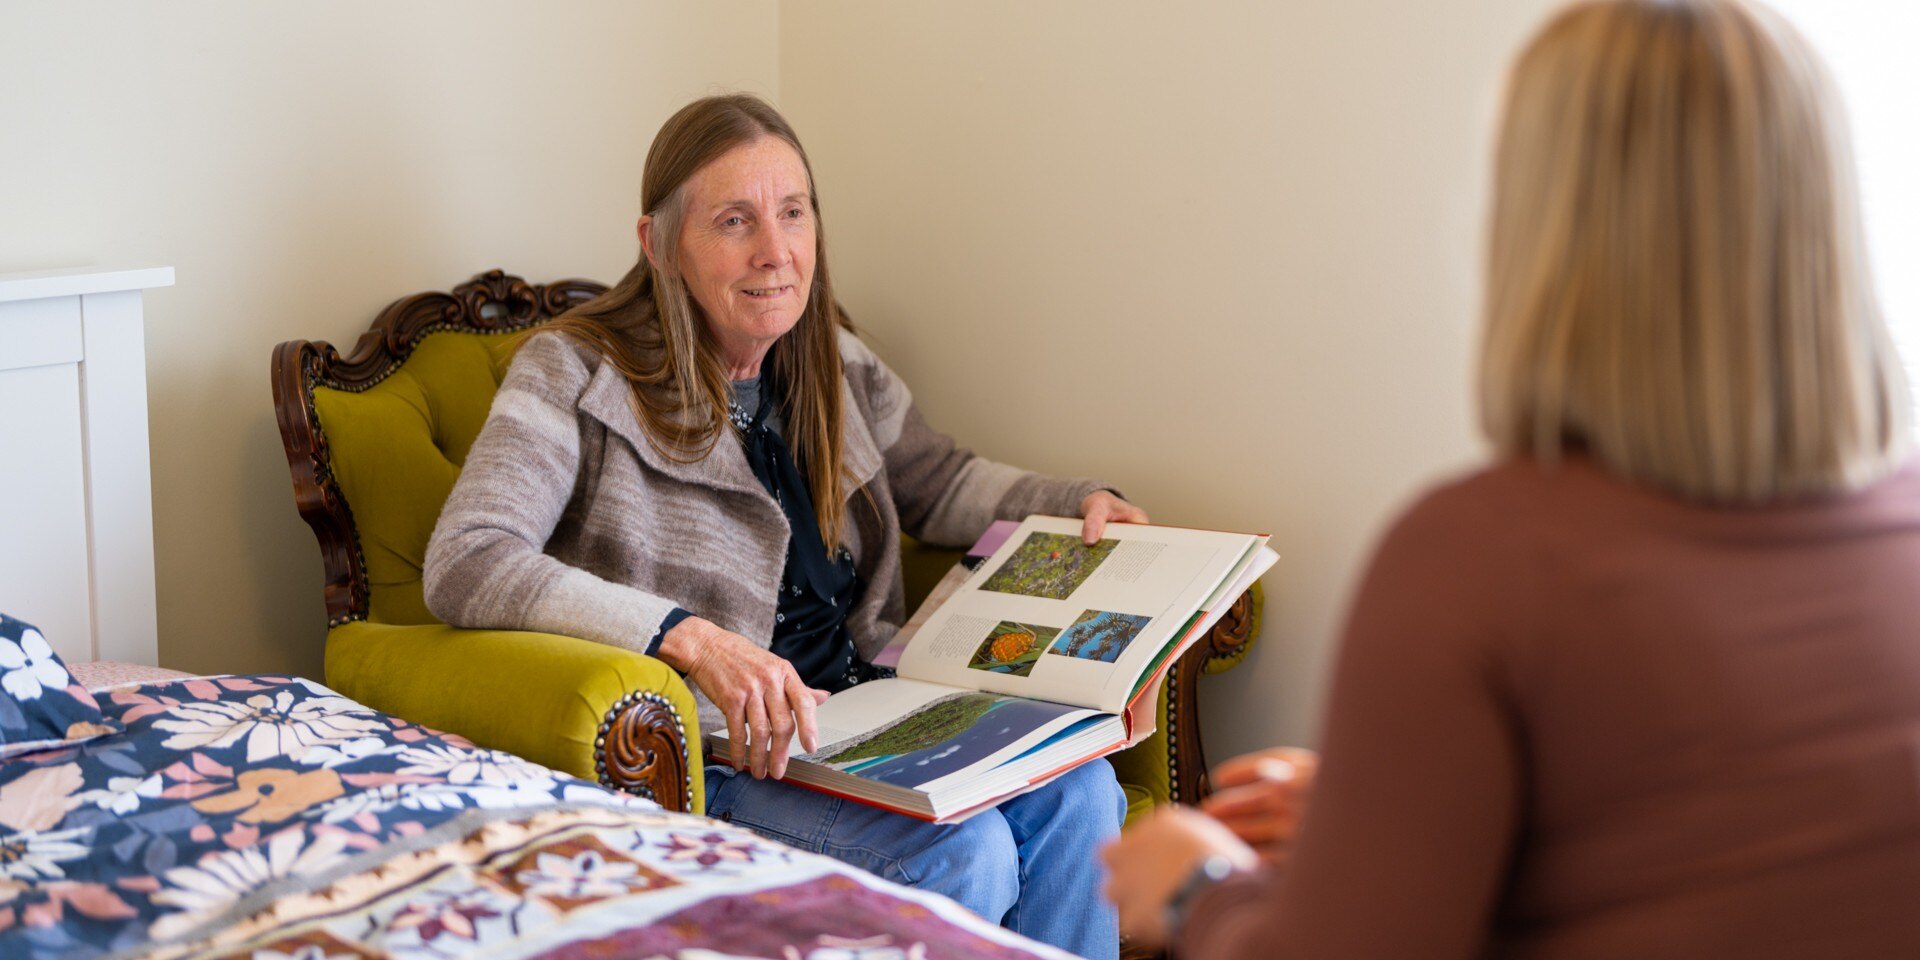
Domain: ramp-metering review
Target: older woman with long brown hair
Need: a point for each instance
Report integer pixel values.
(1649, 686)
(706, 465)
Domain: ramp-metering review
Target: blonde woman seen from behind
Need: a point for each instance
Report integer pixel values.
(1649, 685)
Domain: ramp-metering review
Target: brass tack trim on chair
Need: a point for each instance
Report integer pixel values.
(641, 749)
(1186, 756)
(1173, 734)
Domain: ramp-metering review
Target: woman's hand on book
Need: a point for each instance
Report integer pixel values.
(765, 702)
(1102, 507)
(1261, 797)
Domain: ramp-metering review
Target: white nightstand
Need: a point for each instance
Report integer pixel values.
(76, 504)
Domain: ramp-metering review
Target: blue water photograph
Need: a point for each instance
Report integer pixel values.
(1099, 635)
(947, 736)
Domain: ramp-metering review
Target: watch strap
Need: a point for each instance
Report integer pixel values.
(1206, 873)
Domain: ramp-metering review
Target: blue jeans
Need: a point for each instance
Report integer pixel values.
(1031, 864)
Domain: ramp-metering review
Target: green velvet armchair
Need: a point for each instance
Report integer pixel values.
(375, 439)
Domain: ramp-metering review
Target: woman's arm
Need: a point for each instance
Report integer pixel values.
(1404, 849)
(1405, 845)
(486, 565)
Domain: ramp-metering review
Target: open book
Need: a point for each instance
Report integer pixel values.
(1017, 669)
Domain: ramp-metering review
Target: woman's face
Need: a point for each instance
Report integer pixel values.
(747, 245)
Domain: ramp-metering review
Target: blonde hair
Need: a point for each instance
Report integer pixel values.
(649, 328)
(1676, 277)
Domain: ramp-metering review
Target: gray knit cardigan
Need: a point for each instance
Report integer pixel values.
(566, 520)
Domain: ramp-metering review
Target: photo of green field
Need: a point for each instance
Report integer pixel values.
(1012, 648)
(942, 738)
(1049, 565)
(939, 722)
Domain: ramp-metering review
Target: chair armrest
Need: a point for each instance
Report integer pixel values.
(588, 709)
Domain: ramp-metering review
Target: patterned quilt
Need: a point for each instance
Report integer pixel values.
(270, 817)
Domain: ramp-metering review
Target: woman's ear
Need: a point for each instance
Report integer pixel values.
(645, 229)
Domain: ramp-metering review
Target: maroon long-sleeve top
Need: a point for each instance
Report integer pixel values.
(1575, 718)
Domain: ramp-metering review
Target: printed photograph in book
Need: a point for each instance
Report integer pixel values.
(1049, 565)
(1099, 635)
(943, 737)
(1012, 648)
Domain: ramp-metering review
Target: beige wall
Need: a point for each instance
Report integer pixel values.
(301, 165)
(1222, 254)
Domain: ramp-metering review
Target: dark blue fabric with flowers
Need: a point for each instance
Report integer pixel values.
(40, 705)
(219, 789)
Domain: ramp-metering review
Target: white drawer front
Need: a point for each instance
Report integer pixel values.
(36, 333)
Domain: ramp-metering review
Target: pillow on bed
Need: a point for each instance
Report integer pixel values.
(40, 705)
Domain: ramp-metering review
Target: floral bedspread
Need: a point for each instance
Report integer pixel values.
(270, 817)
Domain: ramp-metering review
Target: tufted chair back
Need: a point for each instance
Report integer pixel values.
(384, 430)
(397, 448)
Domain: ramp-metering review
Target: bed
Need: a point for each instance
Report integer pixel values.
(270, 817)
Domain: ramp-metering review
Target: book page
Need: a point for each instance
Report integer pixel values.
(956, 577)
(1051, 618)
(950, 584)
(1257, 562)
(908, 733)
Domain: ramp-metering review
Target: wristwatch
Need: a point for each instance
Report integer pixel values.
(1208, 872)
